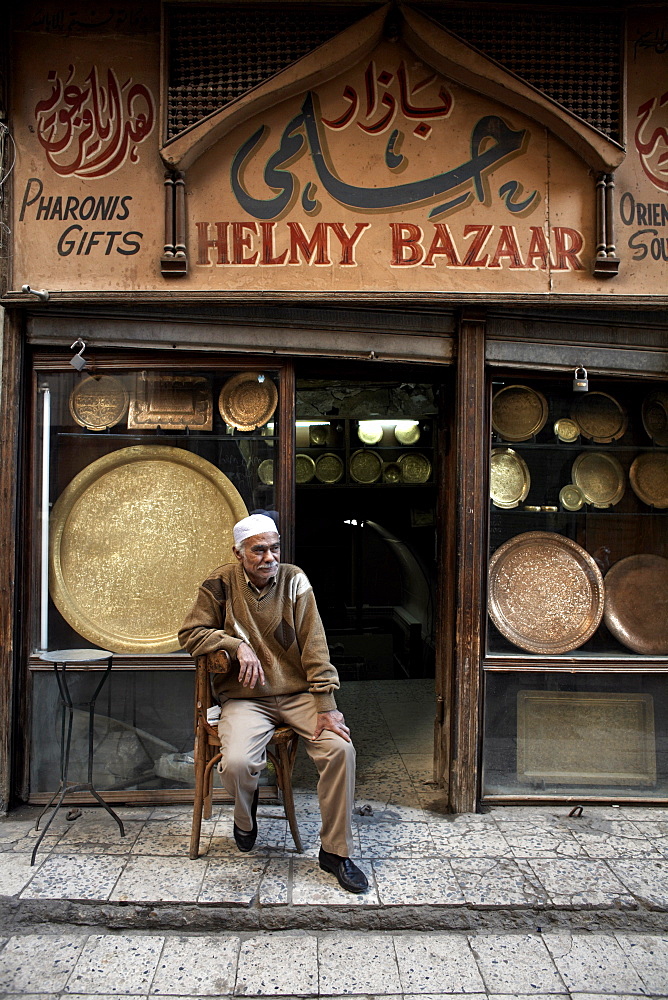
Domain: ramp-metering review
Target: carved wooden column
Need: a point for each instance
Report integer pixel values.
(471, 429)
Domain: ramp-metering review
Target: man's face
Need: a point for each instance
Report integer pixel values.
(260, 555)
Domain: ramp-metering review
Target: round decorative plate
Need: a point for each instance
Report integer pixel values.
(370, 431)
(649, 478)
(518, 412)
(566, 430)
(600, 477)
(545, 592)
(571, 497)
(407, 431)
(600, 417)
(304, 469)
(132, 537)
(247, 403)
(365, 466)
(509, 478)
(636, 603)
(317, 434)
(392, 472)
(415, 467)
(98, 403)
(655, 417)
(329, 468)
(265, 471)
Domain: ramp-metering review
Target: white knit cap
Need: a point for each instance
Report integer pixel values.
(255, 524)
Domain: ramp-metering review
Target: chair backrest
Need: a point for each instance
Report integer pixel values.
(206, 665)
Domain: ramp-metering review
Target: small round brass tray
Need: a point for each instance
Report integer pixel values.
(131, 539)
(636, 603)
(407, 431)
(328, 468)
(317, 434)
(246, 403)
(566, 430)
(600, 417)
(509, 478)
(655, 417)
(545, 592)
(518, 412)
(304, 469)
(392, 472)
(98, 403)
(365, 466)
(265, 471)
(649, 478)
(415, 467)
(600, 477)
(370, 431)
(571, 497)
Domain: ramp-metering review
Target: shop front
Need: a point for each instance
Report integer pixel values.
(393, 293)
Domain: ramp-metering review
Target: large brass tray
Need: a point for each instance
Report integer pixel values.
(132, 537)
(636, 603)
(246, 403)
(600, 417)
(518, 412)
(98, 403)
(600, 477)
(655, 417)
(649, 478)
(545, 592)
(509, 478)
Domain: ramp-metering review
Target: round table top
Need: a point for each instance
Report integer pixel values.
(75, 655)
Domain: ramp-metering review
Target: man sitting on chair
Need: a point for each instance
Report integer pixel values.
(263, 614)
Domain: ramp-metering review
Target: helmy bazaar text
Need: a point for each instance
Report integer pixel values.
(336, 244)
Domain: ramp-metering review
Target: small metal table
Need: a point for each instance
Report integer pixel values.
(82, 659)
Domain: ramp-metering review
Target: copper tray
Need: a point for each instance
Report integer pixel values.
(636, 603)
(600, 417)
(304, 468)
(518, 412)
(98, 403)
(655, 417)
(329, 468)
(600, 477)
(415, 467)
(246, 403)
(649, 478)
(509, 478)
(132, 537)
(545, 592)
(172, 402)
(365, 466)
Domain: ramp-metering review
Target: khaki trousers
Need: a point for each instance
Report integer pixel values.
(245, 729)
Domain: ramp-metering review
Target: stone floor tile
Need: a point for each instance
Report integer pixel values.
(150, 879)
(310, 834)
(232, 880)
(463, 824)
(532, 996)
(592, 963)
(275, 884)
(197, 966)
(527, 841)
(602, 838)
(168, 845)
(79, 876)
(501, 882)
(358, 964)
(38, 962)
(657, 833)
(107, 996)
(113, 964)
(16, 872)
(99, 837)
(278, 964)
(396, 840)
(646, 880)
(447, 996)
(383, 811)
(481, 843)
(648, 953)
(312, 886)
(416, 881)
(430, 963)
(33, 996)
(515, 963)
(579, 882)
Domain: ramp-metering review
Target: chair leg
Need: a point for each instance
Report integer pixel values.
(208, 792)
(284, 778)
(200, 764)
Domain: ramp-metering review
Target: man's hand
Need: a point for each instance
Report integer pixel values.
(333, 721)
(250, 668)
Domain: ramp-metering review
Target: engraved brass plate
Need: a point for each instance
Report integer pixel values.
(545, 592)
(370, 431)
(304, 469)
(407, 431)
(172, 402)
(509, 478)
(571, 497)
(132, 537)
(265, 472)
(649, 478)
(585, 738)
(636, 603)
(246, 403)
(98, 403)
(600, 417)
(365, 466)
(329, 468)
(600, 477)
(415, 467)
(566, 430)
(518, 412)
(655, 417)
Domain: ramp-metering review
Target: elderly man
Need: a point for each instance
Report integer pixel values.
(263, 614)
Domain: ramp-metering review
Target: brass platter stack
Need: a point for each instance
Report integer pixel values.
(600, 417)
(365, 466)
(509, 478)
(636, 603)
(246, 403)
(518, 412)
(600, 477)
(328, 467)
(98, 403)
(649, 478)
(545, 592)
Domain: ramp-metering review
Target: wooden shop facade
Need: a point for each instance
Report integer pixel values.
(396, 271)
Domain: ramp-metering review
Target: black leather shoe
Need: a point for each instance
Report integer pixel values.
(245, 839)
(349, 875)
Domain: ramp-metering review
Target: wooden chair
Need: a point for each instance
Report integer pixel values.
(281, 751)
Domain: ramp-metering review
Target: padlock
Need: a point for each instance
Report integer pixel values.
(78, 361)
(581, 381)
